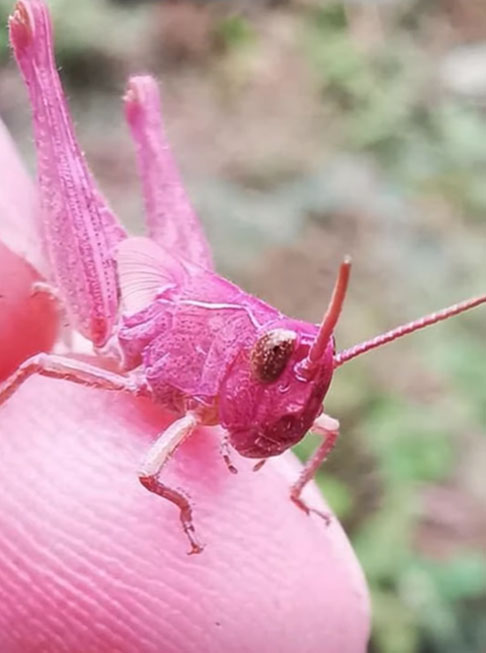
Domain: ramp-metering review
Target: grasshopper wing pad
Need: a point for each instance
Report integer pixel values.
(145, 271)
(150, 280)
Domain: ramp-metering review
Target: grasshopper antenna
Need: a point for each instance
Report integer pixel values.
(330, 318)
(403, 330)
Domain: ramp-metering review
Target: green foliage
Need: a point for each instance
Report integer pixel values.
(411, 451)
(234, 32)
(375, 92)
(380, 95)
(461, 359)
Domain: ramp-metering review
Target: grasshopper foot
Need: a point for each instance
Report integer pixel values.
(303, 506)
(154, 485)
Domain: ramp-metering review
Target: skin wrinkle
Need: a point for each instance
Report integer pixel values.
(64, 544)
(99, 569)
(135, 600)
(50, 505)
(73, 585)
(69, 581)
(24, 600)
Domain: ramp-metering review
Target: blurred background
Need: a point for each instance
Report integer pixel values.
(305, 130)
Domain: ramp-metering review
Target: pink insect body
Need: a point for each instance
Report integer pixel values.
(185, 337)
(206, 346)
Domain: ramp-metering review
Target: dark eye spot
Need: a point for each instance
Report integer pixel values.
(270, 354)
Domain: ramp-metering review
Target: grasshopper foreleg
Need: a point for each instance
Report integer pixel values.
(329, 429)
(70, 369)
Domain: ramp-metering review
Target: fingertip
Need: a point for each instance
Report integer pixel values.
(28, 321)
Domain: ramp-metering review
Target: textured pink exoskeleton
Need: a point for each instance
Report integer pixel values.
(171, 220)
(187, 338)
(78, 229)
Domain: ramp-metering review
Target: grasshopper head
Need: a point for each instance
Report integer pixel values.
(269, 400)
(274, 389)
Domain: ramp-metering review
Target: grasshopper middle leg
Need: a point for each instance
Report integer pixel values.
(152, 465)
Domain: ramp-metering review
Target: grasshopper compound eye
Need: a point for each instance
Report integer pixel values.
(271, 353)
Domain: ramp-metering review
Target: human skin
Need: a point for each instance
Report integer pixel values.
(28, 319)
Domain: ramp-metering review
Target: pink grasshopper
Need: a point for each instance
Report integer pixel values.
(187, 338)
